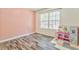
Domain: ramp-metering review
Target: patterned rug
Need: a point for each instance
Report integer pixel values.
(31, 42)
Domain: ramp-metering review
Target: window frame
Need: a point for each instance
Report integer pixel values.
(43, 20)
(50, 11)
(55, 19)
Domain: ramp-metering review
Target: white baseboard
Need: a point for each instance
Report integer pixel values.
(12, 38)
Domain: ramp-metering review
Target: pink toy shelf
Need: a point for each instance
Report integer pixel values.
(63, 36)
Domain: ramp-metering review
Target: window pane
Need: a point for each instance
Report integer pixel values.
(57, 15)
(52, 24)
(50, 21)
(57, 23)
(52, 16)
(44, 25)
(57, 12)
(44, 16)
(44, 22)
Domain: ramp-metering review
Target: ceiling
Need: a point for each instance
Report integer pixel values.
(35, 9)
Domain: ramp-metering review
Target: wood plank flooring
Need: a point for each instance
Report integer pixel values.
(31, 42)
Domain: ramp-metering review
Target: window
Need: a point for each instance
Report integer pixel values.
(54, 19)
(44, 20)
(50, 20)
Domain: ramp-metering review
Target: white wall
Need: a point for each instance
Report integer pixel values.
(69, 17)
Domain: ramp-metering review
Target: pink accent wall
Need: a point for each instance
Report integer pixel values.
(17, 21)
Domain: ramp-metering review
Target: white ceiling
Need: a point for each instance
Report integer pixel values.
(38, 9)
(35, 9)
